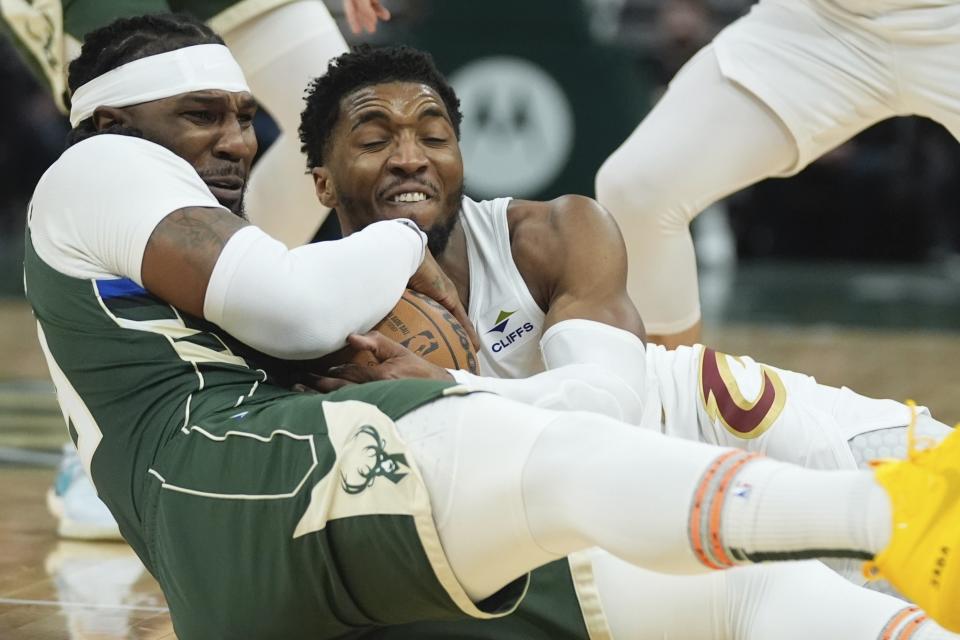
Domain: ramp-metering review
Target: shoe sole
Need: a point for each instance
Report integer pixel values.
(75, 530)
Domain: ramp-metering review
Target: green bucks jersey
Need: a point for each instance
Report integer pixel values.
(221, 480)
(129, 368)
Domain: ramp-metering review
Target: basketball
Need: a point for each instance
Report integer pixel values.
(424, 326)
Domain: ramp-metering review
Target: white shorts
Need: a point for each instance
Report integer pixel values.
(831, 68)
(737, 402)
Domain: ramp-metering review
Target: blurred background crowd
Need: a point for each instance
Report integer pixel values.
(551, 87)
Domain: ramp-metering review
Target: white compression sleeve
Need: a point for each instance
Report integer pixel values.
(588, 342)
(592, 367)
(302, 303)
(575, 387)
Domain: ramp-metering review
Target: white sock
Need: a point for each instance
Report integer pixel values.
(777, 511)
(911, 622)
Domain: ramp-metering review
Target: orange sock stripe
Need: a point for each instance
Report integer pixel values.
(887, 632)
(697, 509)
(912, 627)
(716, 509)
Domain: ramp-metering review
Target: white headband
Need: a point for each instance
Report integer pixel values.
(202, 66)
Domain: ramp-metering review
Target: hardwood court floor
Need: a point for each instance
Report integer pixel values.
(56, 590)
(59, 590)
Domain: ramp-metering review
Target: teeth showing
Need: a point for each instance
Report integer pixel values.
(412, 196)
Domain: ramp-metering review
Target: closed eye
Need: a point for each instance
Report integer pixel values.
(203, 116)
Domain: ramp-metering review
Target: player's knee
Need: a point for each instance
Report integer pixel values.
(893, 442)
(627, 190)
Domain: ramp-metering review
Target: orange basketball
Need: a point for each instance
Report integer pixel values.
(424, 326)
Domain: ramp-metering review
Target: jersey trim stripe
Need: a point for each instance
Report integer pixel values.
(119, 287)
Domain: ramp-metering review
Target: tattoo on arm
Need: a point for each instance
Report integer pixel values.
(198, 230)
(182, 251)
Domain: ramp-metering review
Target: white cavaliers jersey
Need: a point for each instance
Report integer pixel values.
(506, 316)
(697, 393)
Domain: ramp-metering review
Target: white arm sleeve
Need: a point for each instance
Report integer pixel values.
(302, 303)
(591, 367)
(575, 387)
(584, 341)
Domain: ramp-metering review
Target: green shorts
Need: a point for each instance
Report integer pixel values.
(48, 34)
(302, 516)
(561, 604)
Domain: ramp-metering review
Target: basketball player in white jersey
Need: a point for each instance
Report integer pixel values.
(773, 92)
(544, 283)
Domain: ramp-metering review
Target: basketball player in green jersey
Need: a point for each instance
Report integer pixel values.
(545, 282)
(265, 513)
(281, 45)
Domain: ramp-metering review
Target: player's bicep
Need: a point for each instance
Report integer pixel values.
(592, 283)
(182, 250)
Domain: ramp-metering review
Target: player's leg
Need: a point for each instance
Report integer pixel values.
(354, 520)
(706, 138)
(807, 600)
(785, 601)
(513, 487)
(734, 401)
(298, 516)
(280, 52)
(929, 69)
(774, 91)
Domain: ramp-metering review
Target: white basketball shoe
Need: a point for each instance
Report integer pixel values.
(74, 503)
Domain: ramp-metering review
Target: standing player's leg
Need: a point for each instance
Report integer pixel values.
(706, 138)
(280, 52)
(773, 92)
(929, 69)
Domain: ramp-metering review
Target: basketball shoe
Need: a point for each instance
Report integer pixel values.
(73, 501)
(922, 560)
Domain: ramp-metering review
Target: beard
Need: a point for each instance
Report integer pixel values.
(235, 207)
(438, 235)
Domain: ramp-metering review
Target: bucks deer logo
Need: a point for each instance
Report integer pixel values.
(376, 463)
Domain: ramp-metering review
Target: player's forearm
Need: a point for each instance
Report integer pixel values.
(619, 352)
(576, 387)
(591, 367)
(302, 303)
